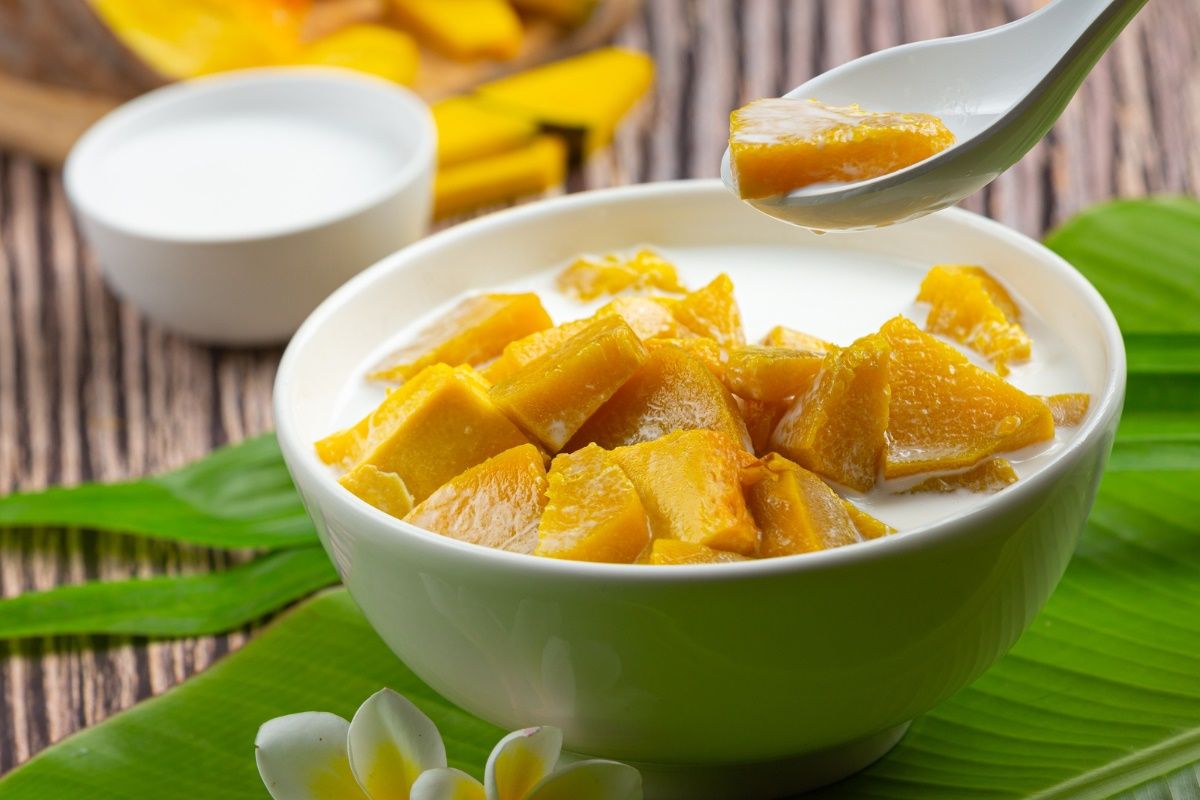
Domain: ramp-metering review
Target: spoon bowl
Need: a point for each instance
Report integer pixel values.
(998, 91)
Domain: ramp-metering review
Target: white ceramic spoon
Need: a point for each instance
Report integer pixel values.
(998, 90)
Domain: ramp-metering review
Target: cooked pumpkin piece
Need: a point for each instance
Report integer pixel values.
(593, 511)
(837, 429)
(384, 490)
(445, 426)
(468, 130)
(985, 478)
(797, 512)
(868, 526)
(1068, 410)
(529, 168)
(761, 417)
(712, 311)
(671, 391)
(530, 348)
(553, 396)
(757, 372)
(945, 413)
(780, 144)
(474, 331)
(782, 336)
(711, 354)
(970, 307)
(497, 503)
(365, 47)
(464, 29)
(690, 483)
(650, 318)
(590, 277)
(674, 552)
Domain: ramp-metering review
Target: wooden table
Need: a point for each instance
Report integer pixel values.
(90, 391)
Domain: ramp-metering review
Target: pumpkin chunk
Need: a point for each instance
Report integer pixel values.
(837, 429)
(468, 129)
(464, 29)
(374, 49)
(756, 372)
(761, 417)
(530, 348)
(384, 490)
(593, 512)
(444, 426)
(530, 168)
(589, 277)
(1068, 410)
(671, 391)
(797, 512)
(690, 483)
(649, 318)
(868, 526)
(497, 503)
(554, 395)
(674, 552)
(474, 331)
(781, 336)
(945, 413)
(970, 307)
(986, 478)
(777, 145)
(711, 354)
(712, 311)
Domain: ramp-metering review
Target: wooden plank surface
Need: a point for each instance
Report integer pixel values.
(90, 391)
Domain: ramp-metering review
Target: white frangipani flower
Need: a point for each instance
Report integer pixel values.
(392, 751)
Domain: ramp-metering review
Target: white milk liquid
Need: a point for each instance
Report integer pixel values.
(242, 174)
(836, 296)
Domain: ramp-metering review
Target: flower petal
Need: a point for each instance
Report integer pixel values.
(391, 742)
(591, 780)
(446, 784)
(520, 761)
(303, 757)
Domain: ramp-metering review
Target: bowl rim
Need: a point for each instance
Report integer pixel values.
(133, 115)
(308, 470)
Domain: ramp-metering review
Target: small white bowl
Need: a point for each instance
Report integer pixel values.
(748, 680)
(227, 208)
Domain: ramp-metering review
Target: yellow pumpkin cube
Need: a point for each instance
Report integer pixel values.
(1068, 410)
(782, 336)
(673, 552)
(445, 425)
(945, 413)
(711, 354)
(468, 130)
(593, 511)
(797, 512)
(671, 391)
(761, 418)
(649, 318)
(690, 483)
(868, 526)
(474, 331)
(384, 490)
(780, 144)
(496, 504)
(755, 372)
(529, 348)
(837, 429)
(970, 307)
(589, 277)
(712, 312)
(987, 477)
(528, 169)
(465, 30)
(553, 396)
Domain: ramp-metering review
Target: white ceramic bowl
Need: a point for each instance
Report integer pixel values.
(228, 207)
(753, 679)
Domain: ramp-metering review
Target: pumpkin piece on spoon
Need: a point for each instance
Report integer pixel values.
(970, 307)
(797, 512)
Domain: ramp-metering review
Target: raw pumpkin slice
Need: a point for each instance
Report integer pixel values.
(756, 372)
(474, 331)
(985, 478)
(712, 312)
(469, 130)
(649, 318)
(587, 94)
(781, 336)
(945, 413)
(797, 512)
(497, 503)
(970, 307)
(424, 441)
(868, 526)
(593, 511)
(674, 552)
(530, 168)
(463, 29)
(553, 396)
(1068, 410)
(671, 391)
(690, 483)
(761, 417)
(780, 144)
(589, 277)
(837, 428)
(365, 47)
(384, 490)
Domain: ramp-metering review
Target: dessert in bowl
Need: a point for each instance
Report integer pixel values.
(755, 678)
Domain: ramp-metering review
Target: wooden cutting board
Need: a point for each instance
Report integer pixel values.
(62, 68)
